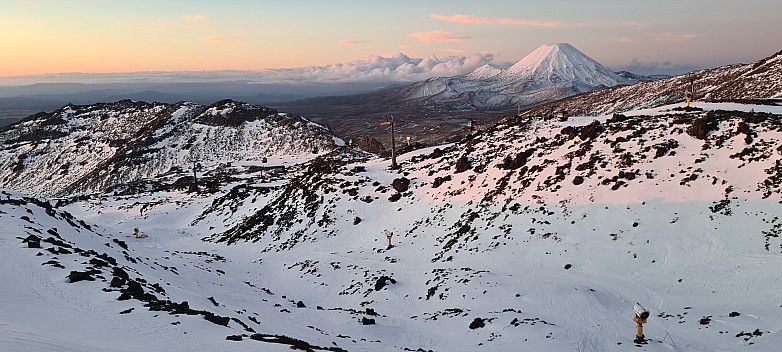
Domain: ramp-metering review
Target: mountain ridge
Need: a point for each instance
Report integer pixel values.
(88, 148)
(761, 79)
(533, 232)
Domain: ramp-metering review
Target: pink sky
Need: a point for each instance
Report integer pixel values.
(41, 36)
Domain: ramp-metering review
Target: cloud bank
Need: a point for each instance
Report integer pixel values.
(398, 68)
(377, 68)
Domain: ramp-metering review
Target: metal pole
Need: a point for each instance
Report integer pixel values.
(394, 165)
(195, 178)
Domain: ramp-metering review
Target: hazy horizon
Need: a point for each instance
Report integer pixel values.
(47, 38)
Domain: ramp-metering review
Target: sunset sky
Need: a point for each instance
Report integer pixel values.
(40, 36)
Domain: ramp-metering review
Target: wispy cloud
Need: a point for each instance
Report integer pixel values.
(497, 20)
(186, 21)
(193, 17)
(638, 25)
(468, 19)
(677, 37)
(346, 42)
(437, 36)
(218, 39)
(623, 40)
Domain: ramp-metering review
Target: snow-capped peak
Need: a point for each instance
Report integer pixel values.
(561, 62)
(550, 72)
(484, 72)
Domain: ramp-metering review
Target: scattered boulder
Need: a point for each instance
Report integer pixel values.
(382, 282)
(120, 273)
(367, 321)
(701, 127)
(401, 184)
(97, 263)
(121, 243)
(32, 241)
(477, 323)
(76, 276)
(463, 164)
(438, 181)
(216, 319)
(518, 161)
(117, 282)
(134, 289)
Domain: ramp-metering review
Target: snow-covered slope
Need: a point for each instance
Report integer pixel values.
(550, 72)
(80, 149)
(758, 80)
(532, 235)
(562, 62)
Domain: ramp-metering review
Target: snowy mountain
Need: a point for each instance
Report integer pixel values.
(761, 79)
(83, 149)
(531, 235)
(548, 73)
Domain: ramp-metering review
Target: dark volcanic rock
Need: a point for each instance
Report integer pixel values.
(121, 243)
(117, 282)
(463, 164)
(216, 319)
(76, 276)
(438, 181)
(701, 127)
(32, 241)
(120, 273)
(382, 282)
(401, 184)
(477, 323)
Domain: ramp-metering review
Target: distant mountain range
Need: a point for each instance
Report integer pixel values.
(17, 102)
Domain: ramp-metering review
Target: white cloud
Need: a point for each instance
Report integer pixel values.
(375, 69)
(397, 68)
